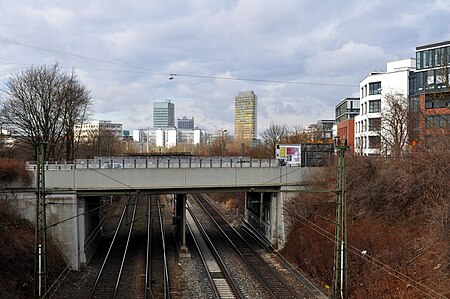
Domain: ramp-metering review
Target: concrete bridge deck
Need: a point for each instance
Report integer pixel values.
(180, 175)
(74, 188)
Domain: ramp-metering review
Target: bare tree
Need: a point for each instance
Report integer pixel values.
(272, 135)
(77, 110)
(99, 143)
(297, 136)
(42, 104)
(394, 121)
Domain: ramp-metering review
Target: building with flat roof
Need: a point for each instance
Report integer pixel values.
(429, 98)
(345, 113)
(163, 114)
(245, 120)
(185, 123)
(374, 90)
(94, 127)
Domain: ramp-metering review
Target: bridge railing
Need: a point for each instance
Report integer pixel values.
(157, 162)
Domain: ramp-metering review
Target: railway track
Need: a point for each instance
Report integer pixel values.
(108, 278)
(272, 282)
(135, 264)
(220, 279)
(248, 232)
(158, 273)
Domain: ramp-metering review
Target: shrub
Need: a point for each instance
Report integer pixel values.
(11, 170)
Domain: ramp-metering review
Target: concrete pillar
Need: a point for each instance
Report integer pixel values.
(67, 232)
(181, 221)
(273, 219)
(280, 220)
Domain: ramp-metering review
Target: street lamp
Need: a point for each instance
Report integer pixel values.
(148, 135)
(222, 143)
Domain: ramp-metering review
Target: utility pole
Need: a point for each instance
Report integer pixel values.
(40, 248)
(340, 243)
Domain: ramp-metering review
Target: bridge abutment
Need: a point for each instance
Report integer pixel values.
(70, 224)
(264, 212)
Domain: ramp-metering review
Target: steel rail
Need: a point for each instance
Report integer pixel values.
(167, 293)
(231, 290)
(133, 219)
(271, 280)
(148, 250)
(109, 251)
(302, 279)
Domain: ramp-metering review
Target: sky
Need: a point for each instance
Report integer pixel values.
(300, 57)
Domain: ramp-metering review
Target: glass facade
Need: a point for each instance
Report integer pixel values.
(163, 114)
(245, 116)
(347, 109)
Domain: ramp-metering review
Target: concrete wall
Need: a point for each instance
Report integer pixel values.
(70, 236)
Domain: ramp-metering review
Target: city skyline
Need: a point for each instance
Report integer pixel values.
(300, 65)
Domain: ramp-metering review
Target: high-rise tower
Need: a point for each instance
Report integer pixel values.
(245, 116)
(163, 114)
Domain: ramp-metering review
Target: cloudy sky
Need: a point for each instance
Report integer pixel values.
(301, 57)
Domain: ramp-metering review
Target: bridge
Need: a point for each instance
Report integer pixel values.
(75, 189)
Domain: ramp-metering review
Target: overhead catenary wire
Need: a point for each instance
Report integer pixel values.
(384, 267)
(171, 74)
(388, 269)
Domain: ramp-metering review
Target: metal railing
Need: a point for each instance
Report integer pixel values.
(156, 162)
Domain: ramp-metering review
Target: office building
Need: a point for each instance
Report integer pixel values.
(245, 116)
(163, 114)
(95, 127)
(346, 111)
(185, 123)
(429, 98)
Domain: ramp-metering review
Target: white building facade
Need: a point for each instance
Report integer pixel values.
(373, 91)
(94, 127)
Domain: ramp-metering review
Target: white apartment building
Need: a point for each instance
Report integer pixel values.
(373, 90)
(170, 137)
(94, 127)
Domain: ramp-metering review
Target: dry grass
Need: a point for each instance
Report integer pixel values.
(17, 243)
(11, 170)
(398, 212)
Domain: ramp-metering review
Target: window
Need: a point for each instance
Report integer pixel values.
(418, 60)
(420, 82)
(427, 59)
(375, 142)
(448, 56)
(375, 124)
(374, 88)
(439, 57)
(438, 100)
(414, 104)
(375, 106)
(430, 79)
(438, 121)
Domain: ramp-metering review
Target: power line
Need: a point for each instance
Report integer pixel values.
(172, 75)
(386, 268)
(78, 56)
